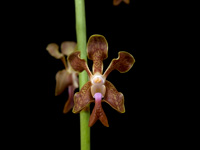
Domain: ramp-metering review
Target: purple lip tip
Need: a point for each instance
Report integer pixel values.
(98, 96)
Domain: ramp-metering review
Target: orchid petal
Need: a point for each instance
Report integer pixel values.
(98, 112)
(82, 98)
(77, 63)
(123, 63)
(53, 50)
(70, 102)
(114, 98)
(116, 2)
(126, 1)
(68, 47)
(97, 49)
(63, 80)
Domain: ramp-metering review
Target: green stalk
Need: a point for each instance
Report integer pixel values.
(83, 78)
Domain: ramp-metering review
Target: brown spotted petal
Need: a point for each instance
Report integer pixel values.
(82, 98)
(63, 80)
(97, 49)
(70, 102)
(77, 63)
(114, 98)
(123, 63)
(68, 47)
(53, 50)
(117, 2)
(126, 1)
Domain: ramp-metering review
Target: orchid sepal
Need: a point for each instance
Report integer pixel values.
(97, 50)
(114, 98)
(82, 98)
(63, 80)
(70, 102)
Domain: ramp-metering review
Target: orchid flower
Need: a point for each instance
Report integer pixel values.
(117, 2)
(98, 89)
(66, 78)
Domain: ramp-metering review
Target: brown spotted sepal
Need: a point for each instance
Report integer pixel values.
(114, 98)
(97, 50)
(117, 2)
(63, 80)
(82, 98)
(70, 102)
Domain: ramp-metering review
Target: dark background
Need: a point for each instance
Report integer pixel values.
(138, 28)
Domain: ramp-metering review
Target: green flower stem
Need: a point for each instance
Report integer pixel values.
(83, 78)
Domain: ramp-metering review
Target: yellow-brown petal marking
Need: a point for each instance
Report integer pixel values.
(97, 49)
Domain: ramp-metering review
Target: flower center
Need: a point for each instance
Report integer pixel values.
(97, 79)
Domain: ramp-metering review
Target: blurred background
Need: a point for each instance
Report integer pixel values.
(136, 28)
